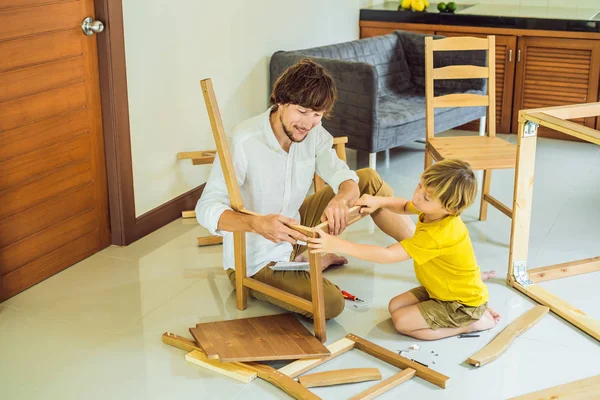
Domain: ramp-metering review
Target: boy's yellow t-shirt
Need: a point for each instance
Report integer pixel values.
(444, 260)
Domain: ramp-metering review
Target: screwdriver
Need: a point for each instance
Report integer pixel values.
(350, 296)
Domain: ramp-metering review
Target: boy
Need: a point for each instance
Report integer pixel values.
(453, 297)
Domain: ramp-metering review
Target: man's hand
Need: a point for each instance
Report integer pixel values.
(325, 243)
(273, 227)
(336, 214)
(369, 203)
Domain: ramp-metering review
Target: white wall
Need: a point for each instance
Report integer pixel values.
(540, 3)
(171, 45)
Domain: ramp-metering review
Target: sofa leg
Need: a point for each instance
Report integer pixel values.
(373, 161)
(387, 158)
(482, 126)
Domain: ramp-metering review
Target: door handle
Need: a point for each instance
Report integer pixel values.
(89, 26)
(510, 55)
(519, 55)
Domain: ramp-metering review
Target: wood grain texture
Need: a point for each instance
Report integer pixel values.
(460, 72)
(583, 389)
(460, 43)
(386, 385)
(301, 366)
(236, 372)
(567, 128)
(19, 22)
(272, 337)
(340, 376)
(482, 152)
(279, 294)
(398, 361)
(497, 204)
(564, 270)
(502, 341)
(460, 100)
(210, 240)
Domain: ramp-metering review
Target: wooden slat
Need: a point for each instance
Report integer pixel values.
(498, 205)
(23, 197)
(564, 270)
(18, 22)
(185, 155)
(340, 140)
(44, 161)
(188, 214)
(460, 43)
(563, 309)
(398, 361)
(301, 366)
(42, 133)
(317, 296)
(571, 111)
(46, 214)
(386, 385)
(37, 49)
(502, 341)
(460, 100)
(278, 294)
(283, 382)
(25, 251)
(566, 127)
(203, 160)
(429, 95)
(48, 265)
(210, 240)
(460, 72)
(26, 81)
(340, 376)
(25, 110)
(6, 4)
(236, 372)
(481, 152)
(583, 389)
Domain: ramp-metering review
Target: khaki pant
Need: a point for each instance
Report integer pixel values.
(298, 282)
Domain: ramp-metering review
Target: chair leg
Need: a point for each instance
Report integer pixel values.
(239, 248)
(428, 159)
(318, 298)
(373, 161)
(487, 180)
(387, 158)
(482, 126)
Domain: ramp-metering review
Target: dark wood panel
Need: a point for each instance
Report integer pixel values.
(25, 251)
(25, 81)
(17, 22)
(38, 49)
(43, 161)
(19, 112)
(23, 197)
(43, 215)
(42, 133)
(6, 4)
(367, 32)
(49, 264)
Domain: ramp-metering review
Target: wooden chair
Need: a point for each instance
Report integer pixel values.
(243, 282)
(482, 152)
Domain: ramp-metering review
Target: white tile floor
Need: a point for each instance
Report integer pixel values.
(93, 331)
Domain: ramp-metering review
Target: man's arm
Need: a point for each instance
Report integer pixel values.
(272, 227)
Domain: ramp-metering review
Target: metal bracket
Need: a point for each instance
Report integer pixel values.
(520, 273)
(530, 129)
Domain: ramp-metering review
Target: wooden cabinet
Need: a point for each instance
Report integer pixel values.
(554, 72)
(366, 32)
(505, 72)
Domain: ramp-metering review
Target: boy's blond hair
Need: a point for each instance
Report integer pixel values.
(453, 182)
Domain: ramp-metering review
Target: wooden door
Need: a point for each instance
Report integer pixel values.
(53, 194)
(506, 50)
(554, 72)
(367, 31)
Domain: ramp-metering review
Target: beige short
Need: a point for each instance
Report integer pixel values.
(446, 314)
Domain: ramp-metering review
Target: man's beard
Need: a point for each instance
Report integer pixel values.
(289, 133)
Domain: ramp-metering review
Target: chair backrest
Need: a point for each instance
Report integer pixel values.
(460, 72)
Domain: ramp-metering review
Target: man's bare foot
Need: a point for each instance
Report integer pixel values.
(488, 275)
(489, 320)
(327, 260)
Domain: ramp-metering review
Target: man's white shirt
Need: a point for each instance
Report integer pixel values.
(271, 181)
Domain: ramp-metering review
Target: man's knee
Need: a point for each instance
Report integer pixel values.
(369, 182)
(334, 302)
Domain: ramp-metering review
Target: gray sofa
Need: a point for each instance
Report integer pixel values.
(381, 87)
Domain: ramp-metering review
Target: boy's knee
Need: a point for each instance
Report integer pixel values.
(334, 302)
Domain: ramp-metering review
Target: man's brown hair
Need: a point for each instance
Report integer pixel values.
(306, 84)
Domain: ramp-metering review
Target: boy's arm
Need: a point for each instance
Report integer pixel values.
(394, 204)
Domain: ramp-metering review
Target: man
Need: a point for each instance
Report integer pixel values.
(275, 156)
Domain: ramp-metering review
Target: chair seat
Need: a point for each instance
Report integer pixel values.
(482, 152)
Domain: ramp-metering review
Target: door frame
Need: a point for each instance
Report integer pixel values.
(125, 226)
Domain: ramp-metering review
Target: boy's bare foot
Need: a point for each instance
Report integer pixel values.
(327, 260)
(488, 275)
(489, 320)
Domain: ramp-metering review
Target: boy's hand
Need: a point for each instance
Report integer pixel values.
(369, 203)
(325, 243)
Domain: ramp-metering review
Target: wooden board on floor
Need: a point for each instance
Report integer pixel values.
(232, 370)
(340, 376)
(384, 386)
(588, 389)
(272, 337)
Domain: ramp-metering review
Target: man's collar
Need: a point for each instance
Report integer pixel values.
(270, 134)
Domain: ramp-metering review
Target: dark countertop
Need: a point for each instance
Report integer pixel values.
(492, 15)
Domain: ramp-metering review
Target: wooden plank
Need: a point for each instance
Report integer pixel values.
(588, 389)
(210, 240)
(460, 100)
(301, 366)
(317, 296)
(231, 370)
(278, 294)
(25, 110)
(203, 160)
(33, 50)
(18, 22)
(498, 205)
(485, 189)
(271, 337)
(564, 270)
(502, 341)
(340, 140)
(340, 376)
(398, 361)
(460, 72)
(386, 385)
(491, 111)
(460, 43)
(188, 214)
(563, 309)
(185, 155)
(571, 111)
(6, 4)
(239, 259)
(429, 102)
(567, 127)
